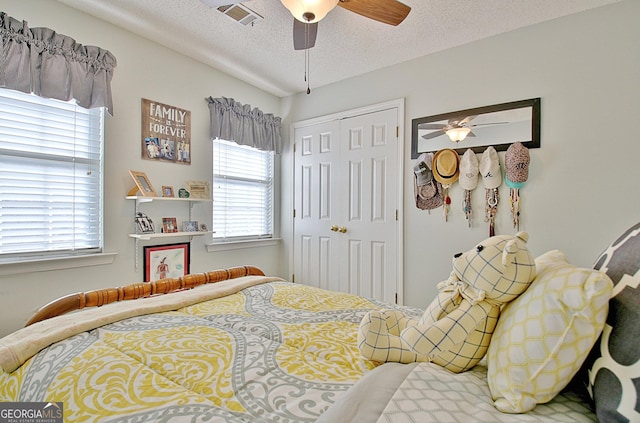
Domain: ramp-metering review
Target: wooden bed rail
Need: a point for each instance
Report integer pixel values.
(134, 291)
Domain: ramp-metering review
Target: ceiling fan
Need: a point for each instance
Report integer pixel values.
(307, 14)
(456, 129)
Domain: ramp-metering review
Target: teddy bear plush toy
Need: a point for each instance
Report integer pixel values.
(455, 330)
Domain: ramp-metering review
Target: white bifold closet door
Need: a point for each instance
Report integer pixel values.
(346, 205)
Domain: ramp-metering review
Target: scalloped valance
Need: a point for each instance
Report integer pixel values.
(233, 121)
(52, 65)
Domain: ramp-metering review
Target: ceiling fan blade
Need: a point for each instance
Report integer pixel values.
(489, 123)
(304, 35)
(433, 134)
(431, 126)
(391, 12)
(467, 119)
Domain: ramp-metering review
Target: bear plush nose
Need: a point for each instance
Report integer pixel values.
(457, 255)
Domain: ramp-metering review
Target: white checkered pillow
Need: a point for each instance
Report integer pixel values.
(544, 335)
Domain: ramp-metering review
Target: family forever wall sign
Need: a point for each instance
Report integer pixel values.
(166, 133)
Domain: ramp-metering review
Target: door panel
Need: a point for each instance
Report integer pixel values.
(305, 191)
(325, 191)
(353, 282)
(370, 224)
(315, 245)
(355, 191)
(378, 189)
(378, 269)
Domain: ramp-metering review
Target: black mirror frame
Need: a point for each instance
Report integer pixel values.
(534, 103)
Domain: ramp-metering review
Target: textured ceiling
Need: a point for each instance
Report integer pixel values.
(347, 45)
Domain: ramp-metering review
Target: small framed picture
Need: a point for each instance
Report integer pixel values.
(203, 227)
(167, 191)
(166, 261)
(198, 189)
(143, 185)
(190, 226)
(144, 225)
(169, 225)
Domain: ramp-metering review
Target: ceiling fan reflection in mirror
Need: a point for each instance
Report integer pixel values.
(457, 129)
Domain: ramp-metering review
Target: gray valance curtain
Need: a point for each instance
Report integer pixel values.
(233, 121)
(51, 65)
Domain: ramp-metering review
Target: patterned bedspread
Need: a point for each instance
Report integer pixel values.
(275, 351)
(432, 394)
(428, 393)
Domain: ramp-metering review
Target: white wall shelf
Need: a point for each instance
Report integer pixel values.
(143, 199)
(147, 236)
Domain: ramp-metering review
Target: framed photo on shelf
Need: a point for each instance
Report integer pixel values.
(167, 191)
(143, 185)
(190, 226)
(144, 225)
(166, 261)
(169, 225)
(198, 189)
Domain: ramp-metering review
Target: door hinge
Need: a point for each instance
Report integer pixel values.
(294, 213)
(294, 147)
(397, 131)
(396, 215)
(293, 277)
(396, 298)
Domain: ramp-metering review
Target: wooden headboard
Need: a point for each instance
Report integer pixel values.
(134, 291)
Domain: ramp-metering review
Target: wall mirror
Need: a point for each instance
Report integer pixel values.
(499, 125)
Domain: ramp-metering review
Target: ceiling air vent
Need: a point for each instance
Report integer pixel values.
(240, 13)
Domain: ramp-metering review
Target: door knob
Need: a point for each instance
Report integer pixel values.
(343, 230)
(334, 228)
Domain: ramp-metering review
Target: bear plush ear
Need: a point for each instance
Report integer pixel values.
(512, 247)
(510, 250)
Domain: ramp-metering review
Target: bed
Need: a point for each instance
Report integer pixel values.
(235, 345)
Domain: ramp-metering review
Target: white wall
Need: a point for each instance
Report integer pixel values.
(145, 70)
(583, 186)
(582, 189)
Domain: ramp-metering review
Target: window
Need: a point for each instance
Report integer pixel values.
(242, 192)
(50, 177)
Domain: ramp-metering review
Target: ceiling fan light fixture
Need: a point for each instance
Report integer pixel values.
(458, 134)
(309, 11)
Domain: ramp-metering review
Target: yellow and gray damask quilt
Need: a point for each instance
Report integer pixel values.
(273, 351)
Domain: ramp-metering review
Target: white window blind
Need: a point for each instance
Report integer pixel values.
(242, 192)
(50, 176)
